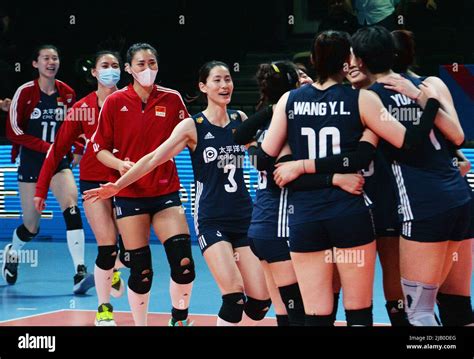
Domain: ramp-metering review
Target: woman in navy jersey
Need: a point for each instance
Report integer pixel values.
(36, 114)
(268, 232)
(454, 296)
(133, 122)
(82, 120)
(223, 205)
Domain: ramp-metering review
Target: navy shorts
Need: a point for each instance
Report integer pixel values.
(270, 250)
(451, 225)
(131, 206)
(87, 185)
(208, 238)
(341, 232)
(30, 168)
(386, 221)
(470, 230)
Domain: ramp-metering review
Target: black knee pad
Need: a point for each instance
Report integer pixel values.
(178, 248)
(24, 234)
(359, 317)
(141, 271)
(318, 320)
(232, 307)
(454, 310)
(256, 308)
(72, 217)
(291, 297)
(106, 257)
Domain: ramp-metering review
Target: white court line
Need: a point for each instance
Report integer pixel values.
(26, 308)
(31, 316)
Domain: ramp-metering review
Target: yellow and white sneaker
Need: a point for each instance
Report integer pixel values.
(105, 316)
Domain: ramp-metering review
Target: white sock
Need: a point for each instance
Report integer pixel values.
(180, 294)
(17, 243)
(139, 306)
(103, 282)
(75, 243)
(223, 323)
(247, 321)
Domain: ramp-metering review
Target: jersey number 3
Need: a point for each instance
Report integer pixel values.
(231, 187)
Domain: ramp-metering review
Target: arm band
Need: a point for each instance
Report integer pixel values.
(261, 160)
(416, 134)
(348, 162)
(247, 130)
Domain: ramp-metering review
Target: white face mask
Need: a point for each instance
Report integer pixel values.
(146, 77)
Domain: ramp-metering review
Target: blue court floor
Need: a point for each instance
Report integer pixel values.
(48, 286)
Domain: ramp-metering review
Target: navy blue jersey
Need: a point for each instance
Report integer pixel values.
(222, 199)
(44, 123)
(323, 123)
(270, 210)
(428, 183)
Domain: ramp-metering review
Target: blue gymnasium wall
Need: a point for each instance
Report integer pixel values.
(52, 224)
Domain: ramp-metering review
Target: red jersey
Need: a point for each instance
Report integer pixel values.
(23, 103)
(81, 121)
(130, 132)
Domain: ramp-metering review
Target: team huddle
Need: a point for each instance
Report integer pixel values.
(363, 160)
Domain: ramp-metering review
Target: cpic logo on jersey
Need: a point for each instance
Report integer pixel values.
(35, 114)
(209, 154)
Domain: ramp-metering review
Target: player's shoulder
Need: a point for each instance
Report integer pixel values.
(169, 93)
(26, 88)
(87, 101)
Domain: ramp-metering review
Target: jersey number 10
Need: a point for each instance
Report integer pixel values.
(323, 135)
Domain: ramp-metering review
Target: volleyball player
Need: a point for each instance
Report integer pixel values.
(36, 114)
(133, 122)
(82, 121)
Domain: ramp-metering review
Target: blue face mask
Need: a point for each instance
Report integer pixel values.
(108, 77)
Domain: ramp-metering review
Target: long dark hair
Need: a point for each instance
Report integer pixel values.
(274, 79)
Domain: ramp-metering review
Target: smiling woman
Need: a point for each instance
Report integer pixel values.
(35, 116)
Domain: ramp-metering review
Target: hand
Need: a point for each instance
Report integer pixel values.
(287, 172)
(76, 159)
(124, 167)
(5, 104)
(429, 90)
(464, 167)
(39, 204)
(349, 182)
(105, 191)
(398, 83)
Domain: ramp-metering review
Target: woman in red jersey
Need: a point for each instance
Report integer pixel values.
(36, 114)
(132, 123)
